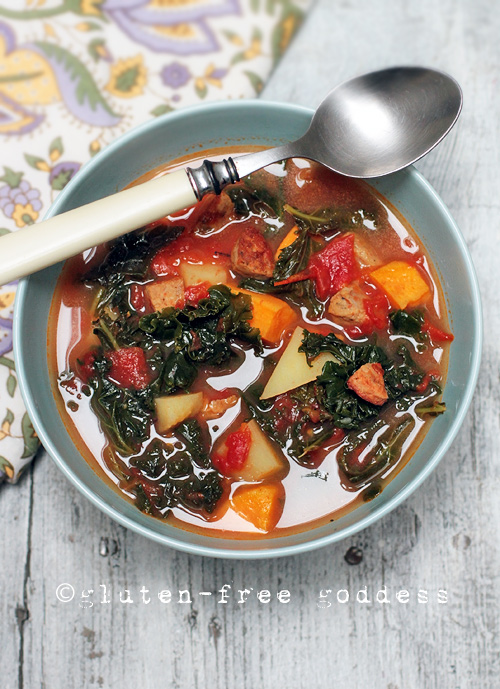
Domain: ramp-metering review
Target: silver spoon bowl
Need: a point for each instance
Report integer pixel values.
(366, 127)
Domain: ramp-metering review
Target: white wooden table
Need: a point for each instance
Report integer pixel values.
(444, 537)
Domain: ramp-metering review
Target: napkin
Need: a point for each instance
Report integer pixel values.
(75, 74)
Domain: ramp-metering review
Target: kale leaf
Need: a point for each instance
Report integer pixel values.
(294, 257)
(203, 334)
(408, 323)
(360, 461)
(167, 477)
(125, 414)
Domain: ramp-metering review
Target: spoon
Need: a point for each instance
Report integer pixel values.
(366, 127)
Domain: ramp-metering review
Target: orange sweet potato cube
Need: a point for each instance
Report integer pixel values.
(402, 282)
(272, 316)
(261, 504)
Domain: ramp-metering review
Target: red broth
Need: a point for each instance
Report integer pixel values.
(165, 354)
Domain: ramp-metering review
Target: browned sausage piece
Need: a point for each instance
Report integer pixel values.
(163, 293)
(368, 383)
(348, 304)
(252, 255)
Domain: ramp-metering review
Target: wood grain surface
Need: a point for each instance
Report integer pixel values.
(445, 537)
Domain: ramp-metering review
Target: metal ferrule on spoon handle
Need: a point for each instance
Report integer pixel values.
(53, 240)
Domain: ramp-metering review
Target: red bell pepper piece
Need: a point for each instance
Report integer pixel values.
(129, 368)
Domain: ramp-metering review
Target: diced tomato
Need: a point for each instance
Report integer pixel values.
(334, 266)
(164, 262)
(194, 293)
(238, 446)
(429, 376)
(436, 334)
(377, 309)
(86, 367)
(331, 268)
(137, 297)
(129, 368)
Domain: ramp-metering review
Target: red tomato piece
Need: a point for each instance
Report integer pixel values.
(129, 368)
(137, 297)
(194, 293)
(377, 309)
(334, 266)
(436, 334)
(429, 376)
(86, 367)
(238, 446)
(331, 268)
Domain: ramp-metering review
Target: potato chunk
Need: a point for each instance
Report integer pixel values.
(195, 274)
(164, 293)
(402, 282)
(292, 369)
(263, 461)
(174, 409)
(261, 505)
(368, 383)
(252, 255)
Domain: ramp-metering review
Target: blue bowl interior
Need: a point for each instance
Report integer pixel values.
(230, 124)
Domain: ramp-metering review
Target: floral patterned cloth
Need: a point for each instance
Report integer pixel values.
(74, 74)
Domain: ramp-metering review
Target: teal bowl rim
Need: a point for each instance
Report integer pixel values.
(268, 550)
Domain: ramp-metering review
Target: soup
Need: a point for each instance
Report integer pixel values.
(257, 364)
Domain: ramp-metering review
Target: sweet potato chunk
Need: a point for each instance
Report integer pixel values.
(272, 316)
(163, 293)
(252, 255)
(349, 304)
(368, 383)
(261, 505)
(402, 282)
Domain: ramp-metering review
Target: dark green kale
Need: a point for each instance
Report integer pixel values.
(293, 431)
(248, 202)
(360, 461)
(192, 436)
(204, 334)
(409, 324)
(130, 255)
(434, 409)
(125, 414)
(116, 323)
(402, 375)
(328, 220)
(294, 257)
(299, 293)
(166, 477)
(349, 357)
